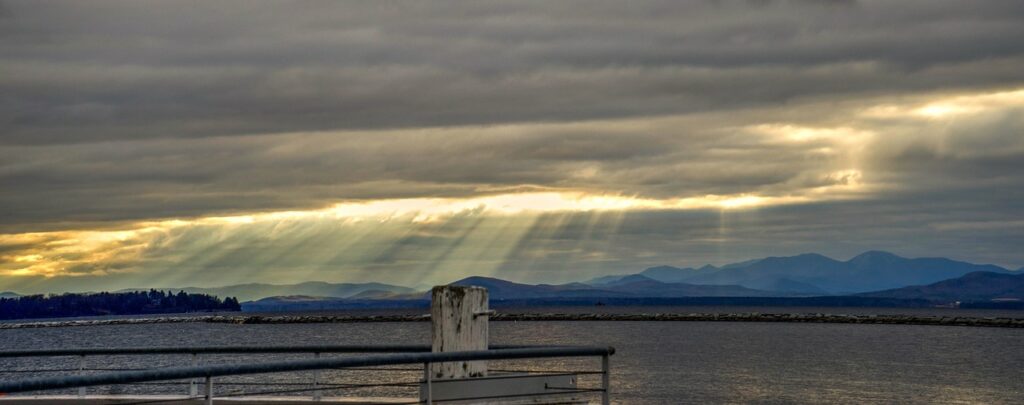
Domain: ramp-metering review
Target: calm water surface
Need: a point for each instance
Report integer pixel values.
(657, 362)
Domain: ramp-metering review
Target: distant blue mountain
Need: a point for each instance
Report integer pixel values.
(977, 286)
(665, 274)
(871, 275)
(796, 279)
(632, 278)
(814, 274)
(629, 286)
(500, 289)
(785, 285)
(605, 279)
(671, 274)
(9, 294)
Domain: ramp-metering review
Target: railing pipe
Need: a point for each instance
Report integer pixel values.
(237, 349)
(217, 349)
(215, 370)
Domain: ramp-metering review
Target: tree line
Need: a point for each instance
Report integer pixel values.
(106, 303)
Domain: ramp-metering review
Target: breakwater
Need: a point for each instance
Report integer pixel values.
(654, 317)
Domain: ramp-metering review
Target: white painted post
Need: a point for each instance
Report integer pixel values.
(459, 318)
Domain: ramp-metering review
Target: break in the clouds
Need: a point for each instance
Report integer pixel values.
(417, 142)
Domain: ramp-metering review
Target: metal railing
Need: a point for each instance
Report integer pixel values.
(399, 355)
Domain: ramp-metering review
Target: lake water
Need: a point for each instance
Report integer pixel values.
(656, 362)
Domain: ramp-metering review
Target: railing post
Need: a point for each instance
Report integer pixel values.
(316, 380)
(81, 371)
(193, 386)
(605, 380)
(209, 390)
(428, 382)
(459, 317)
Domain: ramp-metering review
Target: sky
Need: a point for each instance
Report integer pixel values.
(192, 143)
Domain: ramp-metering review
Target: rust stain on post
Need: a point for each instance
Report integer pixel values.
(457, 326)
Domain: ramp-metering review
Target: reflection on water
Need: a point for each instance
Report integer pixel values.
(657, 362)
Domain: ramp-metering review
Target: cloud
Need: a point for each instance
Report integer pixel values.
(114, 70)
(115, 116)
(670, 157)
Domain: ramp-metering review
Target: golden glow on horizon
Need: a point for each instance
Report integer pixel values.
(842, 175)
(430, 209)
(88, 252)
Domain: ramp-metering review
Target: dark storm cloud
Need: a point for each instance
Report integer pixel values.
(79, 72)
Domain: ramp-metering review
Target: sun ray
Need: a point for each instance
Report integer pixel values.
(344, 241)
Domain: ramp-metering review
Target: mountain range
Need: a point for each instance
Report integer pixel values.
(973, 290)
(635, 286)
(873, 274)
(631, 286)
(815, 274)
(977, 286)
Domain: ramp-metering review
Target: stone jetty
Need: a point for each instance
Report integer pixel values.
(1017, 322)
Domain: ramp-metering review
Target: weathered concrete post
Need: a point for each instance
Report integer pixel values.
(459, 318)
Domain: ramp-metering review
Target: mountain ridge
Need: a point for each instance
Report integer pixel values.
(976, 286)
(813, 273)
(808, 274)
(974, 290)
